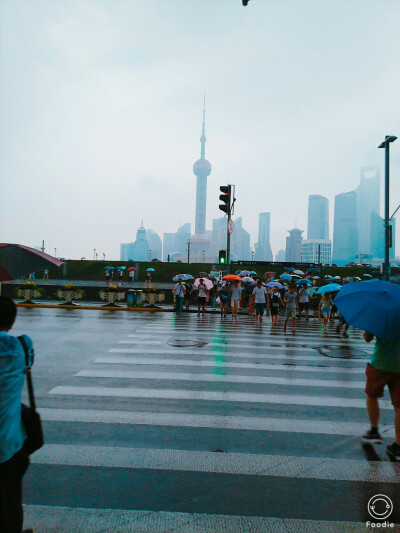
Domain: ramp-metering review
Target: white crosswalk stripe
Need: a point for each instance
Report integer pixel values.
(273, 399)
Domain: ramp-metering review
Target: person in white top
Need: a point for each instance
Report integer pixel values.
(304, 301)
(201, 297)
(236, 298)
(260, 293)
(179, 291)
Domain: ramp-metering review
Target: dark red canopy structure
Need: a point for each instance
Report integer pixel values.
(17, 260)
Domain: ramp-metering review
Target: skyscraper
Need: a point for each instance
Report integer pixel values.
(368, 202)
(138, 250)
(318, 217)
(345, 230)
(378, 239)
(263, 250)
(201, 169)
(293, 245)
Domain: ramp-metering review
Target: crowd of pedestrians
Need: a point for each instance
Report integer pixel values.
(257, 299)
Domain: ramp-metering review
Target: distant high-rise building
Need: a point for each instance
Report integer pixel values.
(175, 244)
(293, 245)
(155, 244)
(345, 230)
(240, 240)
(280, 255)
(263, 250)
(368, 202)
(316, 251)
(378, 239)
(318, 217)
(138, 250)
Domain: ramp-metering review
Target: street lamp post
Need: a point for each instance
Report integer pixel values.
(203, 255)
(94, 254)
(150, 254)
(55, 252)
(104, 256)
(252, 255)
(388, 235)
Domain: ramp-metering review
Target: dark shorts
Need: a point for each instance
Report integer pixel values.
(274, 310)
(304, 305)
(376, 381)
(201, 300)
(260, 309)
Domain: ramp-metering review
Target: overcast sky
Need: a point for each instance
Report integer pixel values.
(101, 111)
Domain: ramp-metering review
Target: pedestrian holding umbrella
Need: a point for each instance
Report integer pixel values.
(202, 287)
(374, 306)
(287, 277)
(147, 281)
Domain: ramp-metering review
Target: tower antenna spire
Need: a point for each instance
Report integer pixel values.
(203, 131)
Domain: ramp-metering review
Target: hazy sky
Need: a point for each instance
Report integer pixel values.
(101, 110)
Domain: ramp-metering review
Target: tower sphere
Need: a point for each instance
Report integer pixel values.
(202, 165)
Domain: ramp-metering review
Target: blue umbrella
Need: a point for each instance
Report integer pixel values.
(183, 277)
(286, 276)
(332, 287)
(312, 270)
(304, 282)
(254, 273)
(110, 268)
(273, 284)
(121, 268)
(150, 270)
(316, 277)
(372, 306)
(289, 269)
(244, 273)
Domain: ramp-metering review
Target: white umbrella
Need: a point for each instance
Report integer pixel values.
(298, 272)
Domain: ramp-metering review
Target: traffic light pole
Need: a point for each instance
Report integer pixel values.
(228, 242)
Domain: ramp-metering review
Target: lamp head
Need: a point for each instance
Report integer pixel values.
(388, 139)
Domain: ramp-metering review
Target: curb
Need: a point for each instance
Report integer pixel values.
(96, 308)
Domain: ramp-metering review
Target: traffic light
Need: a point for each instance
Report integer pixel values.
(225, 198)
(222, 257)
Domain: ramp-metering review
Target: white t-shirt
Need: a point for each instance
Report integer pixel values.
(236, 292)
(304, 296)
(180, 290)
(202, 291)
(260, 293)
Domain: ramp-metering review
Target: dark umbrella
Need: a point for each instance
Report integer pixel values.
(17, 260)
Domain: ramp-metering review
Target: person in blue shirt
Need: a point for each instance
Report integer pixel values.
(14, 460)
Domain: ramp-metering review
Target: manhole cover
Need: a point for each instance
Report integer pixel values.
(342, 352)
(184, 343)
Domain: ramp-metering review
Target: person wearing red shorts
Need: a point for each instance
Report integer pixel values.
(383, 369)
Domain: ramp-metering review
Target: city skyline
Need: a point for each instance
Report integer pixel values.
(100, 117)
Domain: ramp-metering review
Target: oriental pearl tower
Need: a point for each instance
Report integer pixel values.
(202, 169)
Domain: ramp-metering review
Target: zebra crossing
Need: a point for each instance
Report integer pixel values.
(247, 430)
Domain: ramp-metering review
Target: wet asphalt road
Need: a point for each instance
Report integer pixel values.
(136, 405)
